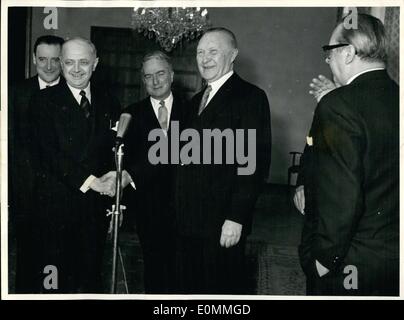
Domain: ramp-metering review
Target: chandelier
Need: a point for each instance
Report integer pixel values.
(170, 25)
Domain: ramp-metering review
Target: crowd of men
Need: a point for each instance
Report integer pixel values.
(193, 219)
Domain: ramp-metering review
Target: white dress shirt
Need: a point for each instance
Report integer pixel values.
(76, 93)
(216, 85)
(168, 102)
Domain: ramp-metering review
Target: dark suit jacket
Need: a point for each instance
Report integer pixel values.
(353, 183)
(70, 148)
(152, 203)
(21, 175)
(208, 194)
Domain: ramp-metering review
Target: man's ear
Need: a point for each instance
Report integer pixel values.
(33, 58)
(349, 53)
(172, 76)
(234, 55)
(95, 63)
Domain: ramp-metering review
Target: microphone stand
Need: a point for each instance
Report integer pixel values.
(116, 213)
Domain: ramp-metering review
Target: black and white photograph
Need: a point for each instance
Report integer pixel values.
(213, 150)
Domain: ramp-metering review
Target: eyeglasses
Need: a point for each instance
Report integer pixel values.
(327, 49)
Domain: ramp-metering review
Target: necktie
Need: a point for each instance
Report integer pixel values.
(163, 115)
(205, 97)
(84, 104)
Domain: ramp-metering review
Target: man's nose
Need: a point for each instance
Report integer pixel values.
(49, 64)
(155, 79)
(205, 58)
(76, 67)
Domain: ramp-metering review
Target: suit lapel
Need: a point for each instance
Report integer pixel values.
(35, 84)
(150, 116)
(220, 100)
(66, 100)
(176, 111)
(70, 116)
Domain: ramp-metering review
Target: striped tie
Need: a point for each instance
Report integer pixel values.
(84, 104)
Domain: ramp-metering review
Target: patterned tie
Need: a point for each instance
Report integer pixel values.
(205, 97)
(84, 103)
(163, 115)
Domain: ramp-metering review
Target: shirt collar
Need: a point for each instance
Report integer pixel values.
(219, 82)
(43, 84)
(76, 92)
(168, 102)
(360, 73)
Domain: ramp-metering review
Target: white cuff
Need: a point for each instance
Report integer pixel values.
(86, 185)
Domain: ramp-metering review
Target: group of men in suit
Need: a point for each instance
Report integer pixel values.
(192, 241)
(193, 219)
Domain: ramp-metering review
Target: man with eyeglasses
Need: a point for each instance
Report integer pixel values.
(350, 239)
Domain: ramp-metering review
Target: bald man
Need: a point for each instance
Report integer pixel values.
(214, 203)
(73, 141)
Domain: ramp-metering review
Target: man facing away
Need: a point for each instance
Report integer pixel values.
(350, 240)
(73, 141)
(214, 204)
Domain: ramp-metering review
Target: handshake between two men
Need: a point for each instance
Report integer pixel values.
(106, 185)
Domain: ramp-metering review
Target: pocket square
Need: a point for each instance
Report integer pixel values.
(309, 141)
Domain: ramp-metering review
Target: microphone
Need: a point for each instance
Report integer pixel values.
(123, 125)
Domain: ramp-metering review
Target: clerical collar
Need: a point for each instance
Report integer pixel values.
(44, 84)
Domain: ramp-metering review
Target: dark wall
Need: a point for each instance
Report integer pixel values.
(17, 18)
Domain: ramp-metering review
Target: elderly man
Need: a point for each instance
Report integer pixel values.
(350, 240)
(73, 140)
(21, 176)
(153, 199)
(214, 204)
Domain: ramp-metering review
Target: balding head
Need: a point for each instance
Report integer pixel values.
(369, 38)
(79, 60)
(360, 48)
(80, 42)
(216, 52)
